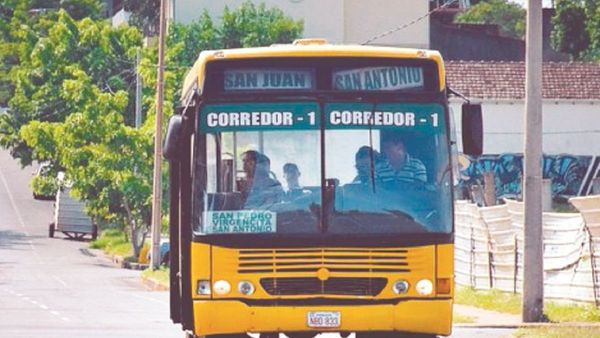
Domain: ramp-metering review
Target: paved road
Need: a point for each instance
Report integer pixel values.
(57, 288)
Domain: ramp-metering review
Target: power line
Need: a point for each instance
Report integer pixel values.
(401, 27)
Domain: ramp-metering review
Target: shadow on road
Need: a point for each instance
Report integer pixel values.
(14, 240)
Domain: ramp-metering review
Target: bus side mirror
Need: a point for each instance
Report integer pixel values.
(472, 129)
(172, 138)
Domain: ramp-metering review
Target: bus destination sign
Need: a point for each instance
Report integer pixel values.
(260, 116)
(378, 78)
(240, 221)
(428, 118)
(268, 79)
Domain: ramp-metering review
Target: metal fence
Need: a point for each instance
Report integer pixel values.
(489, 249)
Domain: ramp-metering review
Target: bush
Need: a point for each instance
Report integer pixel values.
(113, 242)
(44, 186)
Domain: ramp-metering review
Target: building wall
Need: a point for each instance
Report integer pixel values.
(456, 43)
(339, 21)
(570, 127)
(365, 19)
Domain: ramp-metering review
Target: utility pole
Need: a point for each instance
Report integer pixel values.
(138, 91)
(157, 184)
(533, 269)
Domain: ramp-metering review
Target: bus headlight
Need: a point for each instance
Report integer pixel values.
(246, 288)
(222, 287)
(424, 287)
(400, 286)
(203, 287)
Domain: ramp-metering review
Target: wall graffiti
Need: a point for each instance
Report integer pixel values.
(571, 175)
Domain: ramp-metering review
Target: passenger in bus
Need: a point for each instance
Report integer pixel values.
(291, 174)
(367, 161)
(259, 190)
(405, 167)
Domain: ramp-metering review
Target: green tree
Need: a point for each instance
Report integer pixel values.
(252, 25)
(99, 153)
(72, 103)
(509, 16)
(49, 51)
(570, 34)
(246, 26)
(144, 15)
(577, 28)
(593, 28)
(34, 16)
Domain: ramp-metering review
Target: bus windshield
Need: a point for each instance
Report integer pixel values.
(311, 168)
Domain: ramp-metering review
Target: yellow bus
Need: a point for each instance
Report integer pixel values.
(311, 191)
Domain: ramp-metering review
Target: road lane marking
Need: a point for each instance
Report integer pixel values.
(17, 212)
(34, 249)
(38, 304)
(60, 281)
(12, 200)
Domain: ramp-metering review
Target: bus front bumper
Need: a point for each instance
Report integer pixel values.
(231, 316)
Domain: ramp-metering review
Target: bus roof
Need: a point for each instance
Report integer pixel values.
(195, 77)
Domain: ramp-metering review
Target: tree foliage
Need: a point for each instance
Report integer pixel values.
(144, 15)
(509, 16)
(570, 34)
(246, 26)
(72, 99)
(577, 28)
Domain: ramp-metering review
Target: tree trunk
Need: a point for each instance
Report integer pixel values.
(138, 233)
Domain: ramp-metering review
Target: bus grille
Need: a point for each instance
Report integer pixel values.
(334, 260)
(332, 286)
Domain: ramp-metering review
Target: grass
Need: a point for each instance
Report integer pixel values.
(460, 319)
(558, 332)
(571, 313)
(161, 275)
(112, 241)
(511, 303)
(490, 300)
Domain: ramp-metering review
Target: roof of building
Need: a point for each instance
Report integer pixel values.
(506, 80)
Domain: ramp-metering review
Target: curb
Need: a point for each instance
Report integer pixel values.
(154, 285)
(121, 262)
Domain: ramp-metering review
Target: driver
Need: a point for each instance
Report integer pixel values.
(369, 165)
(259, 190)
(406, 168)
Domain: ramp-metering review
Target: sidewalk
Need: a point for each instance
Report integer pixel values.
(493, 319)
(486, 318)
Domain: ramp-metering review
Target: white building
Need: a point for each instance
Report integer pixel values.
(571, 104)
(339, 21)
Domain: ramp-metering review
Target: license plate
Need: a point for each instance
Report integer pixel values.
(323, 319)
